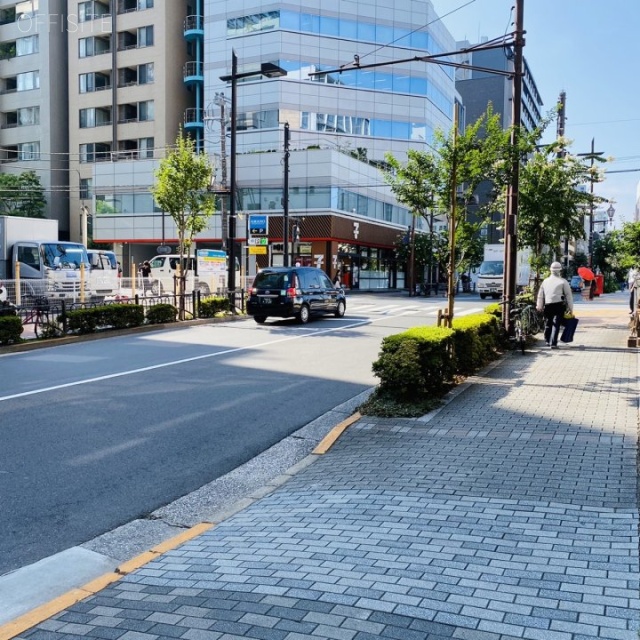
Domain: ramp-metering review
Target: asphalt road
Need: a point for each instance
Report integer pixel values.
(96, 434)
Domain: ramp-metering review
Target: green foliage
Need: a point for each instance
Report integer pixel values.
(458, 161)
(113, 316)
(551, 204)
(182, 180)
(475, 340)
(417, 367)
(10, 329)
(630, 245)
(22, 194)
(415, 364)
(162, 313)
(211, 307)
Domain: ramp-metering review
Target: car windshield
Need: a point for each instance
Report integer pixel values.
(491, 268)
(272, 281)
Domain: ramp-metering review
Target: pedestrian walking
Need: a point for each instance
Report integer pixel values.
(631, 283)
(554, 298)
(145, 272)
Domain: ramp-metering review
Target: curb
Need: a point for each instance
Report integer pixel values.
(45, 611)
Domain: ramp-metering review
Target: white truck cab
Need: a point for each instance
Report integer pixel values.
(103, 276)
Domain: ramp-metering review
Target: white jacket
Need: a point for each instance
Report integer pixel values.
(555, 289)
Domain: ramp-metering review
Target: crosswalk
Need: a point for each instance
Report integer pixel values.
(428, 310)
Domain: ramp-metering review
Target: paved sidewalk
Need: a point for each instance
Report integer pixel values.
(510, 513)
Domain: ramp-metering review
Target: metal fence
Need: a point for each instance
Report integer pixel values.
(35, 308)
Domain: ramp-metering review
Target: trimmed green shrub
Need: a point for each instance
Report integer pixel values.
(211, 307)
(416, 363)
(475, 339)
(114, 316)
(10, 329)
(161, 314)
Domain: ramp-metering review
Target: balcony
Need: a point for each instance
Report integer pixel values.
(193, 73)
(194, 119)
(193, 28)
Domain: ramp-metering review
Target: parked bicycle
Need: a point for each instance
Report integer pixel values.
(526, 322)
(44, 319)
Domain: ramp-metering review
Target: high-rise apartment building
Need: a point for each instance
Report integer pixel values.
(33, 97)
(132, 83)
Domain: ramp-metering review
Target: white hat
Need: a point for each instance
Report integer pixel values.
(556, 266)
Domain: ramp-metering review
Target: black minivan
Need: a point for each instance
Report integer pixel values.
(294, 292)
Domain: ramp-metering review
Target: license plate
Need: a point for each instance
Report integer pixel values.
(264, 300)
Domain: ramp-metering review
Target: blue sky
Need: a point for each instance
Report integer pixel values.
(589, 49)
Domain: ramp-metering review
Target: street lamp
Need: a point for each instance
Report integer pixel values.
(269, 70)
(611, 212)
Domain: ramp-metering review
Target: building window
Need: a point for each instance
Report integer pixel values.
(146, 146)
(145, 73)
(146, 111)
(97, 81)
(95, 117)
(86, 188)
(92, 10)
(23, 117)
(145, 37)
(95, 152)
(93, 46)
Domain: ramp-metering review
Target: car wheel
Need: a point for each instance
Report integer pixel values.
(260, 319)
(340, 309)
(303, 314)
(483, 296)
(156, 288)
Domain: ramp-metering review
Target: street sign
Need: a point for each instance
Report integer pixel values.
(258, 225)
(257, 242)
(253, 251)
(163, 249)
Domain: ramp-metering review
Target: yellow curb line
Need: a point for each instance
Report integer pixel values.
(328, 441)
(66, 600)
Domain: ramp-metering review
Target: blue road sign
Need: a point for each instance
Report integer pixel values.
(258, 225)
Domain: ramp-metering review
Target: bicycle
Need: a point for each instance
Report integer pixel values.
(44, 326)
(526, 322)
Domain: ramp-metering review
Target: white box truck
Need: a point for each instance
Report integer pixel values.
(32, 256)
(491, 273)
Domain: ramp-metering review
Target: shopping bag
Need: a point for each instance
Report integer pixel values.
(570, 326)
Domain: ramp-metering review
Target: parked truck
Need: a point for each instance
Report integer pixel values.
(491, 273)
(32, 257)
(104, 279)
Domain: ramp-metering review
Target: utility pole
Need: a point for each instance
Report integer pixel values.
(592, 156)
(223, 163)
(511, 214)
(451, 287)
(285, 198)
(562, 104)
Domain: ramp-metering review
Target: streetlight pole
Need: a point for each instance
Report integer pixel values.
(269, 70)
(231, 280)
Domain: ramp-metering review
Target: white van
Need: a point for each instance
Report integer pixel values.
(163, 276)
(103, 276)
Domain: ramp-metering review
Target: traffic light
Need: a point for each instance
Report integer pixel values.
(296, 233)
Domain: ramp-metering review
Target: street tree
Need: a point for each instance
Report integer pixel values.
(457, 163)
(181, 191)
(552, 205)
(22, 194)
(630, 245)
